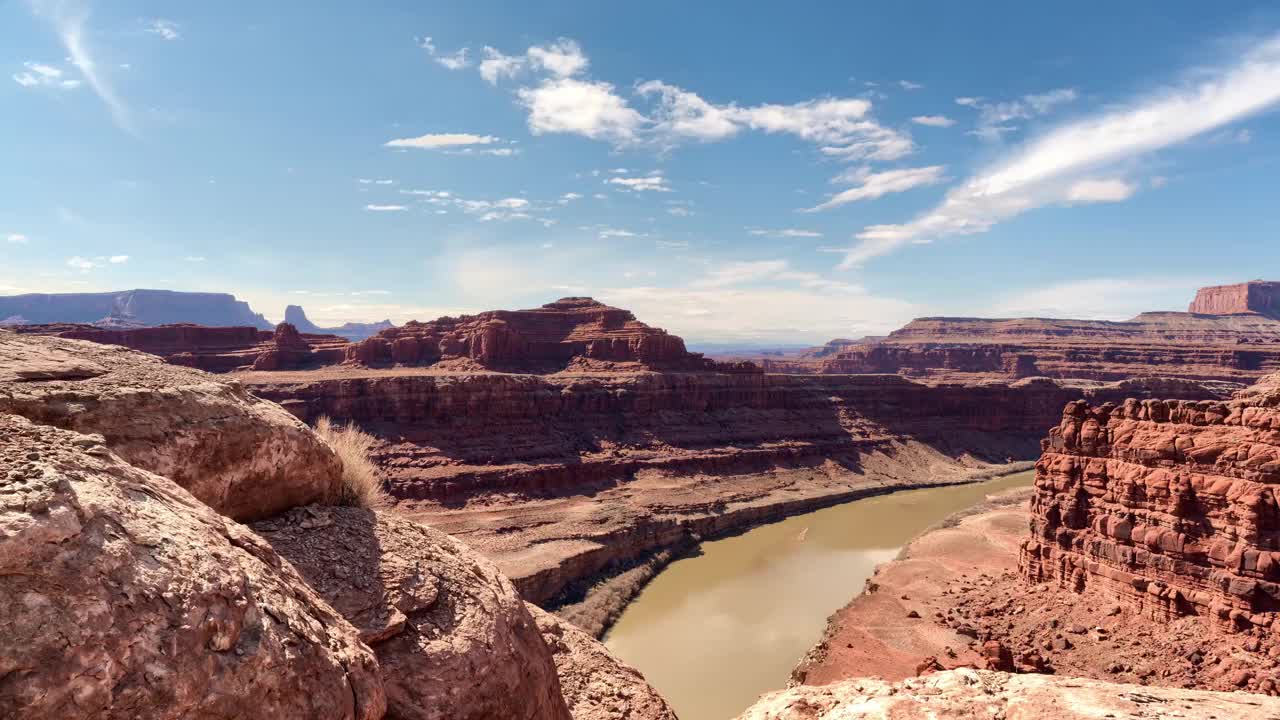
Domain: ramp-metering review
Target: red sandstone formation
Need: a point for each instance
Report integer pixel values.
(1239, 343)
(213, 349)
(1258, 296)
(243, 456)
(1169, 506)
(123, 596)
(571, 332)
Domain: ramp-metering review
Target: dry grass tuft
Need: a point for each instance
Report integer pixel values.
(360, 484)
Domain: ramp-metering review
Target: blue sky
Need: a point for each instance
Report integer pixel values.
(788, 173)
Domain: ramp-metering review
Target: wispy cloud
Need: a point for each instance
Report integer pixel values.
(870, 185)
(453, 61)
(385, 208)
(648, 183)
(1084, 160)
(166, 29)
(439, 141)
(68, 19)
(996, 119)
(908, 85)
(17, 238)
(933, 120)
(39, 74)
(785, 233)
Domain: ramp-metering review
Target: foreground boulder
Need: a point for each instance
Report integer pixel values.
(597, 685)
(454, 639)
(984, 694)
(123, 596)
(244, 457)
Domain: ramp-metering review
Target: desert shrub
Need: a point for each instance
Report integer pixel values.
(360, 484)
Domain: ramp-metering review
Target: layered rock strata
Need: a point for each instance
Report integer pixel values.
(1257, 296)
(573, 330)
(213, 349)
(123, 596)
(1168, 506)
(244, 457)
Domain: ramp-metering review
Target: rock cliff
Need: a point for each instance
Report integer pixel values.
(242, 456)
(213, 349)
(1169, 506)
(122, 596)
(573, 330)
(1258, 296)
(130, 308)
(985, 694)
(296, 316)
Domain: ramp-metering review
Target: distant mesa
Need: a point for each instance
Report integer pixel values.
(1257, 296)
(130, 308)
(297, 317)
(571, 333)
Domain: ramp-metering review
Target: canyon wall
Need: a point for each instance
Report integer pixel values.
(297, 317)
(213, 349)
(1170, 506)
(1252, 297)
(573, 331)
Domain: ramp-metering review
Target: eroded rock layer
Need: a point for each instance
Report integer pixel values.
(214, 349)
(1252, 297)
(1170, 506)
(570, 330)
(122, 596)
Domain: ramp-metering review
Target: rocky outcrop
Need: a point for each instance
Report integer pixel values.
(571, 331)
(985, 694)
(213, 349)
(454, 639)
(597, 685)
(1168, 506)
(244, 457)
(296, 316)
(123, 596)
(1257, 296)
(131, 308)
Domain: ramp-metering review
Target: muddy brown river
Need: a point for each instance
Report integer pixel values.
(714, 631)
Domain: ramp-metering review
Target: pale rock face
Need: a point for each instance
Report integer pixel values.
(243, 456)
(597, 685)
(123, 596)
(452, 635)
(966, 693)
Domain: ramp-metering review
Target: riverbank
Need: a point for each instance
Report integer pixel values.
(737, 614)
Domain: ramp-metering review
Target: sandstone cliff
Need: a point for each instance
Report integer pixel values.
(571, 330)
(1258, 296)
(985, 694)
(1169, 506)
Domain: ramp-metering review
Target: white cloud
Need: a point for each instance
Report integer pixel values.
(908, 85)
(654, 183)
(495, 65)
(17, 238)
(1096, 191)
(785, 233)
(46, 76)
(871, 185)
(511, 208)
(569, 197)
(452, 61)
(81, 263)
(385, 208)
(968, 101)
(605, 233)
(194, 258)
(437, 141)
(562, 58)
(68, 22)
(590, 109)
(118, 259)
(994, 118)
(1046, 170)
(933, 120)
(679, 211)
(166, 29)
